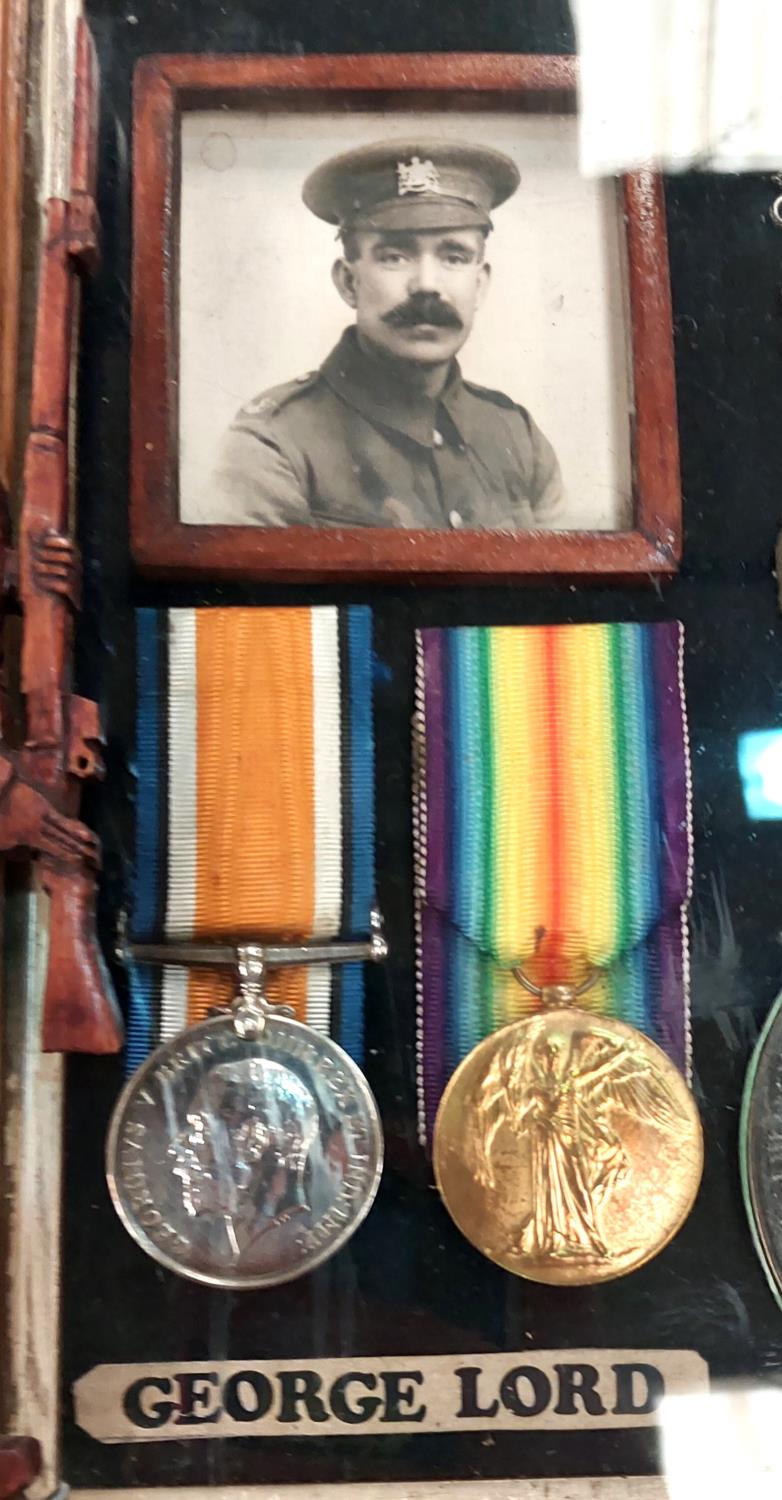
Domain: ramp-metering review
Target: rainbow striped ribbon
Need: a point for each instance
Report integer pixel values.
(255, 805)
(553, 830)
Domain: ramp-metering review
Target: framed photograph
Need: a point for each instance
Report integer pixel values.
(383, 327)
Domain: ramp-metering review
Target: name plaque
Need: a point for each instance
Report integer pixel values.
(543, 1388)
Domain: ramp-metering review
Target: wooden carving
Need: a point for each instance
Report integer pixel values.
(40, 785)
(13, 76)
(20, 1464)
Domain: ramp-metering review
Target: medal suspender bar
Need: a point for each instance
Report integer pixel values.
(246, 1147)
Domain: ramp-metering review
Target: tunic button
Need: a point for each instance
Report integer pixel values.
(455, 519)
(437, 438)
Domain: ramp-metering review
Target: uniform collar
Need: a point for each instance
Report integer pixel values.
(375, 389)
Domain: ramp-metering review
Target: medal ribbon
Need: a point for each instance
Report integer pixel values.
(255, 805)
(553, 831)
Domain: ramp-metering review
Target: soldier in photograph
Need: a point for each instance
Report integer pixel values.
(388, 432)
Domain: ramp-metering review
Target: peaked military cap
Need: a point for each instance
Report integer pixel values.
(411, 184)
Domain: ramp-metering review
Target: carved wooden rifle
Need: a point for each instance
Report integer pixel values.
(40, 786)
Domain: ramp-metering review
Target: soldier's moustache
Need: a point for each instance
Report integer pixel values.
(423, 307)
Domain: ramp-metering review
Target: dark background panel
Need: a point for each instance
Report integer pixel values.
(408, 1283)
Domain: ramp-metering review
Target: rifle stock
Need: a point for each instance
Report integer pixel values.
(80, 1013)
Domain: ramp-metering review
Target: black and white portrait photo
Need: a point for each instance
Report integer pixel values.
(409, 321)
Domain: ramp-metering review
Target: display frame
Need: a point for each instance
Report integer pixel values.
(165, 546)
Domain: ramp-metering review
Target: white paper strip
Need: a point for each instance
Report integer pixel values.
(387, 1395)
(680, 83)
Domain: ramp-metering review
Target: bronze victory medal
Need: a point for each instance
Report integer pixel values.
(568, 1148)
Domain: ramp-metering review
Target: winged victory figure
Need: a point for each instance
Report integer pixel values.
(558, 1091)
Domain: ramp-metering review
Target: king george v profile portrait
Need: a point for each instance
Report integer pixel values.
(388, 432)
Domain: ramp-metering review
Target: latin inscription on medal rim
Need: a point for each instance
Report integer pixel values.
(244, 1162)
(568, 1148)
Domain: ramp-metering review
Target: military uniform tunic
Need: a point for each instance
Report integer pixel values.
(353, 445)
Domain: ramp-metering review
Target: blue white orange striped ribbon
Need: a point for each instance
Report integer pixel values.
(255, 807)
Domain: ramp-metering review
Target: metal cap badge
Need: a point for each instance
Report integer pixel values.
(411, 184)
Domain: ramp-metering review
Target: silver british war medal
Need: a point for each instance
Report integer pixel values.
(248, 1149)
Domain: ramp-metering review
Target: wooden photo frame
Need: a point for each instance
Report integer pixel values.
(584, 309)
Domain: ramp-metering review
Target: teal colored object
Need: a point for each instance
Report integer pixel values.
(760, 768)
